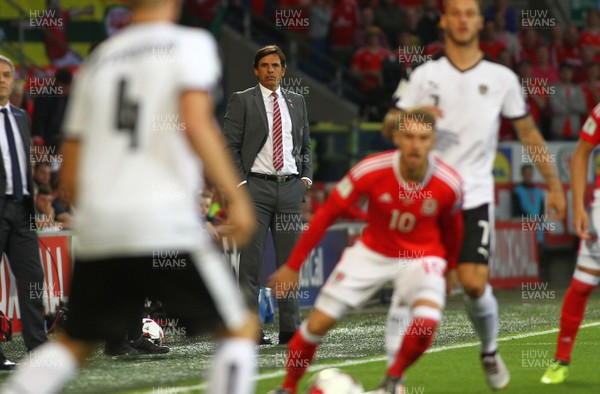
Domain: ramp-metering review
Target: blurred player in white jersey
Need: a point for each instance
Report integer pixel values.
(413, 234)
(138, 132)
(470, 93)
(587, 271)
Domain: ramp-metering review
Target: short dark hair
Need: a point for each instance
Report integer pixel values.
(526, 166)
(64, 76)
(269, 50)
(44, 190)
(565, 65)
(41, 164)
(206, 194)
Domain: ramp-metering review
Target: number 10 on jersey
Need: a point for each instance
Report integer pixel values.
(403, 222)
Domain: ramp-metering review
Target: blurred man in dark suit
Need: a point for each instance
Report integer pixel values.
(17, 239)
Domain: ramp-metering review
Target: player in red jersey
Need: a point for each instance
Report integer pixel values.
(587, 272)
(413, 234)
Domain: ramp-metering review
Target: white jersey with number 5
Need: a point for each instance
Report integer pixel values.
(472, 102)
(138, 177)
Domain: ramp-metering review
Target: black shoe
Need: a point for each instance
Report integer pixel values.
(146, 346)
(264, 339)
(6, 364)
(123, 349)
(284, 337)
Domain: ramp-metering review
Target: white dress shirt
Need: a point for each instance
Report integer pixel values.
(264, 160)
(22, 156)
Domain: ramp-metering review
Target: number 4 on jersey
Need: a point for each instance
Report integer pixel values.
(127, 114)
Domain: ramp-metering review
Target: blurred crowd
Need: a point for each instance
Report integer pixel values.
(557, 65)
(379, 41)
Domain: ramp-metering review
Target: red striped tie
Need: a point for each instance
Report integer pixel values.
(277, 135)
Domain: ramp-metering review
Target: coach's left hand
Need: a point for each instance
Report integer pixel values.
(283, 281)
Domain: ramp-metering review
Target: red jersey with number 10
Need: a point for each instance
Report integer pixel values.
(405, 219)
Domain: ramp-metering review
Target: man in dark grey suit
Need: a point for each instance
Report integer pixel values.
(18, 238)
(268, 134)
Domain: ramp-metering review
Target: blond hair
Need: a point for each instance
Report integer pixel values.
(397, 119)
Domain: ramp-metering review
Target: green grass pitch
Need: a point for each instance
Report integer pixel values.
(356, 345)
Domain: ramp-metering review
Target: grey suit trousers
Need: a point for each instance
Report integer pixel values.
(278, 208)
(20, 244)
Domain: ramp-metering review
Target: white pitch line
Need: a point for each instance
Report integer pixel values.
(276, 374)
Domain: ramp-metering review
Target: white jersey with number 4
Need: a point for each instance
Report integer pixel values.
(472, 102)
(138, 177)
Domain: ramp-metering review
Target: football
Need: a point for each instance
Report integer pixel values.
(152, 331)
(334, 381)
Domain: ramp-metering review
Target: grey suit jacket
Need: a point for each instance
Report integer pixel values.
(25, 131)
(246, 129)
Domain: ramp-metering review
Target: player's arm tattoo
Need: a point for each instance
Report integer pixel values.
(535, 147)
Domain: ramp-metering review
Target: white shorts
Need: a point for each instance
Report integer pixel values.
(588, 255)
(361, 272)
